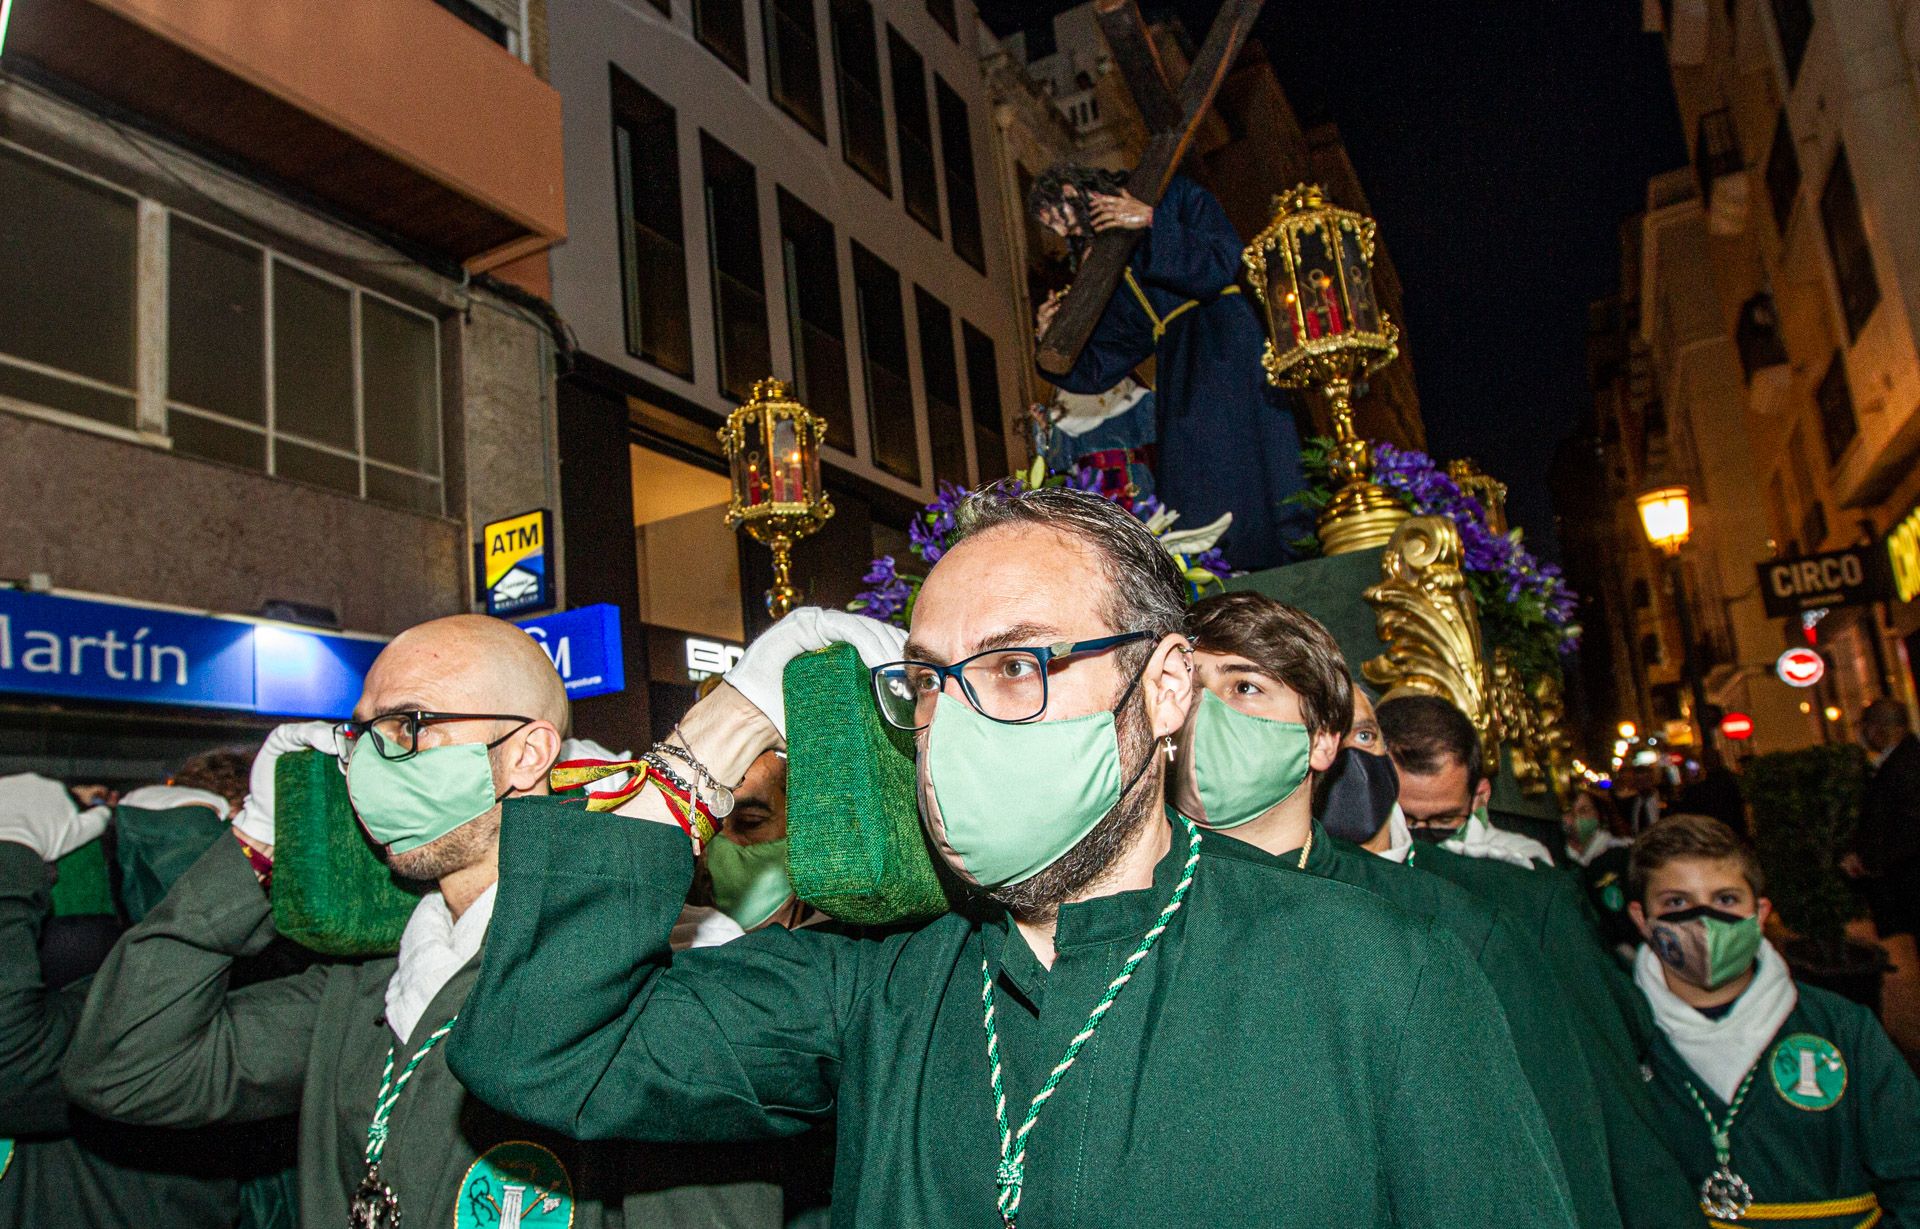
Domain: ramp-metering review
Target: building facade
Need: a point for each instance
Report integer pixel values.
(790, 188)
(1058, 98)
(272, 340)
(1779, 299)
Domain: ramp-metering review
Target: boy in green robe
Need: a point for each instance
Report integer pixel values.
(1784, 1102)
(456, 715)
(1125, 1024)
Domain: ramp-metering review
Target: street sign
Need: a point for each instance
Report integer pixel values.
(584, 646)
(516, 563)
(1800, 667)
(1737, 726)
(1856, 576)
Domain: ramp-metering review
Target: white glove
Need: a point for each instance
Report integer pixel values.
(255, 821)
(40, 814)
(760, 675)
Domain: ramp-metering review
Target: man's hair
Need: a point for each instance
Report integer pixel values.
(1885, 713)
(1675, 838)
(1425, 733)
(1146, 591)
(1288, 644)
(223, 771)
(1050, 187)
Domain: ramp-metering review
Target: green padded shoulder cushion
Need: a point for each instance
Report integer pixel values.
(332, 893)
(855, 846)
(154, 848)
(82, 885)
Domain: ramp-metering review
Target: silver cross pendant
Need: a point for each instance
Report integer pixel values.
(374, 1205)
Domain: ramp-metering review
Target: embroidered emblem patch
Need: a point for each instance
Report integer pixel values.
(515, 1185)
(6, 1156)
(1610, 894)
(1808, 1071)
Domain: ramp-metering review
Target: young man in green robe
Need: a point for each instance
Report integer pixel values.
(456, 715)
(1125, 1025)
(1436, 753)
(1784, 1102)
(1276, 680)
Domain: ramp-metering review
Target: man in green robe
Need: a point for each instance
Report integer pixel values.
(476, 709)
(1436, 758)
(1784, 1102)
(1126, 1025)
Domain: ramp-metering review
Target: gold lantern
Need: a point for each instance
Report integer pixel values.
(773, 448)
(1313, 270)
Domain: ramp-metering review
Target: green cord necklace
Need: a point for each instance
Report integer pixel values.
(1011, 1175)
(1724, 1194)
(374, 1205)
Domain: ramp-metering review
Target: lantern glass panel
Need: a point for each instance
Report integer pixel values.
(788, 483)
(810, 460)
(1359, 275)
(1323, 300)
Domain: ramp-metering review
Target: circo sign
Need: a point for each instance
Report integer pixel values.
(1800, 667)
(1737, 726)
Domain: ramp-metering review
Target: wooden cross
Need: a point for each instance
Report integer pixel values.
(1171, 120)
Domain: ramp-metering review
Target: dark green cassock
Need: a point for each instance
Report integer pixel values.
(1851, 1130)
(164, 1040)
(1544, 1033)
(67, 1169)
(1247, 1075)
(1649, 1187)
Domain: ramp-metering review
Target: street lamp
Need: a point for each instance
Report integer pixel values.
(772, 446)
(1666, 516)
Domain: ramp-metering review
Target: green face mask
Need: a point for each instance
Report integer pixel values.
(1704, 946)
(404, 804)
(1584, 826)
(1234, 768)
(750, 882)
(1004, 802)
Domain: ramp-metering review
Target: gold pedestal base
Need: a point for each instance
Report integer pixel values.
(1360, 517)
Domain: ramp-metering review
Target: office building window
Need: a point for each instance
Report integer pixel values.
(1794, 20)
(863, 119)
(653, 253)
(894, 436)
(721, 27)
(68, 265)
(793, 63)
(983, 387)
(1783, 173)
(940, 377)
(353, 399)
(1847, 243)
(919, 185)
(739, 281)
(1838, 424)
(963, 194)
(819, 340)
(943, 13)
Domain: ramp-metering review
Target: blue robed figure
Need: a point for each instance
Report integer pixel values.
(1227, 439)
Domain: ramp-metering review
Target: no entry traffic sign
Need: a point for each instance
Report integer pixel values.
(1800, 667)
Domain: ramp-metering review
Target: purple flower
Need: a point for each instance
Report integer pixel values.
(888, 596)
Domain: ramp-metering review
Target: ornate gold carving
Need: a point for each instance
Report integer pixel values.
(1490, 491)
(1427, 617)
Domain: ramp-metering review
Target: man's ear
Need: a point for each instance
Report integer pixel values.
(1764, 911)
(1169, 685)
(1482, 793)
(1639, 916)
(534, 755)
(1325, 749)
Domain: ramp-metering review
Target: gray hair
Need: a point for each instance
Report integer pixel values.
(1146, 590)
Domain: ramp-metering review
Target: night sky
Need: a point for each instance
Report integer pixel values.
(1501, 143)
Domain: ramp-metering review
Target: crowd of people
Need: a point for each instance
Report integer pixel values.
(1235, 942)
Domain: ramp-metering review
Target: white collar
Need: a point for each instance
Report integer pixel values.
(433, 948)
(1602, 841)
(167, 797)
(1399, 840)
(1880, 757)
(1722, 1051)
(1478, 838)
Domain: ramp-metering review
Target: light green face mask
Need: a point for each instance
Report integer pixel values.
(1004, 802)
(404, 804)
(1584, 826)
(750, 882)
(1235, 767)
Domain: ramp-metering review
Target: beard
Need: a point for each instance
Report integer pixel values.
(1085, 865)
(457, 850)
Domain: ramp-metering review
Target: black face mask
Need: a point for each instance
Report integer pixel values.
(1434, 834)
(1356, 795)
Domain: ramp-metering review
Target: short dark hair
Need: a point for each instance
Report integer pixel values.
(1288, 644)
(1885, 713)
(1675, 838)
(1425, 733)
(1049, 188)
(223, 771)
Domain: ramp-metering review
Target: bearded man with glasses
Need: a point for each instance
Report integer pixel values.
(457, 717)
(1124, 1026)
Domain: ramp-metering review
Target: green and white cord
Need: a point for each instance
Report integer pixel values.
(389, 1094)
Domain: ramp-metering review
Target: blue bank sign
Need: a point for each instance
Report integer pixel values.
(91, 649)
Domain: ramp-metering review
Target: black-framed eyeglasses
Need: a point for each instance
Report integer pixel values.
(396, 736)
(1008, 685)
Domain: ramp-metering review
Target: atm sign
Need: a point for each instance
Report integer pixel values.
(516, 563)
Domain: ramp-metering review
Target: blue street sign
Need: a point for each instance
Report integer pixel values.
(584, 646)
